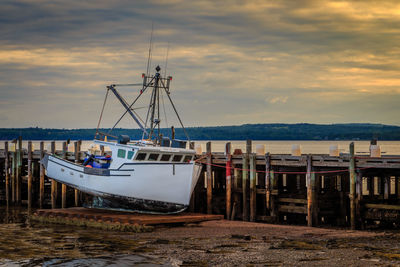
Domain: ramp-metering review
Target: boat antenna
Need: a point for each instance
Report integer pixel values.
(151, 43)
(166, 62)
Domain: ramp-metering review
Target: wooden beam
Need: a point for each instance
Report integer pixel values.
(292, 200)
(382, 206)
(41, 183)
(253, 188)
(209, 178)
(29, 175)
(228, 184)
(63, 186)
(352, 194)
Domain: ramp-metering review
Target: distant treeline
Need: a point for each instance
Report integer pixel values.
(276, 131)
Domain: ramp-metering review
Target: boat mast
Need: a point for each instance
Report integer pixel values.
(155, 104)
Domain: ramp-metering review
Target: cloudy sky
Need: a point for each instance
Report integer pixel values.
(232, 62)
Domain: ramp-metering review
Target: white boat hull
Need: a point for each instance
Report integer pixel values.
(139, 186)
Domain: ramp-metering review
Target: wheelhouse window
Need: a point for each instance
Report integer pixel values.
(141, 156)
(187, 158)
(177, 158)
(130, 154)
(121, 153)
(165, 157)
(153, 157)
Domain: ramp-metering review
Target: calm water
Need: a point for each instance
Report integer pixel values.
(274, 147)
(25, 243)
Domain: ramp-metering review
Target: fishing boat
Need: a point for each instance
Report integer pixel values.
(155, 174)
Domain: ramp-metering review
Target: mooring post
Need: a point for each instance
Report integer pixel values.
(7, 172)
(209, 178)
(352, 194)
(14, 171)
(236, 185)
(228, 184)
(386, 190)
(315, 185)
(29, 175)
(41, 182)
(245, 181)
(76, 151)
(267, 184)
(63, 186)
(19, 170)
(253, 188)
(359, 193)
(274, 195)
(309, 192)
(398, 188)
(53, 182)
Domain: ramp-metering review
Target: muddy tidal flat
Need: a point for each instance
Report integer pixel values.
(223, 243)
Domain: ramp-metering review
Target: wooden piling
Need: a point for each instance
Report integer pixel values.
(386, 189)
(267, 183)
(63, 186)
(245, 181)
(253, 189)
(53, 182)
(359, 193)
(18, 181)
(352, 194)
(41, 182)
(30, 177)
(7, 172)
(14, 173)
(209, 178)
(76, 192)
(228, 179)
(274, 196)
(309, 192)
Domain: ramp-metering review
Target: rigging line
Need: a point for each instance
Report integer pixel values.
(176, 112)
(138, 116)
(151, 42)
(101, 114)
(126, 111)
(165, 113)
(166, 62)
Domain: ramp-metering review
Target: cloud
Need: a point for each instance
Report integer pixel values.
(233, 61)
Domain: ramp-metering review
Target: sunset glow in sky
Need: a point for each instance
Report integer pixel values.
(232, 62)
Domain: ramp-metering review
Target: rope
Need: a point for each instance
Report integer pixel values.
(278, 172)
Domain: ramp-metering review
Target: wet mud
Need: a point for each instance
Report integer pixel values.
(223, 243)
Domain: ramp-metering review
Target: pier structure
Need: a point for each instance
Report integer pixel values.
(343, 189)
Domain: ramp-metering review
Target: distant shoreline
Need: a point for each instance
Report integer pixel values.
(264, 132)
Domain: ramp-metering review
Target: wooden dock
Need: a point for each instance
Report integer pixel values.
(125, 217)
(314, 189)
